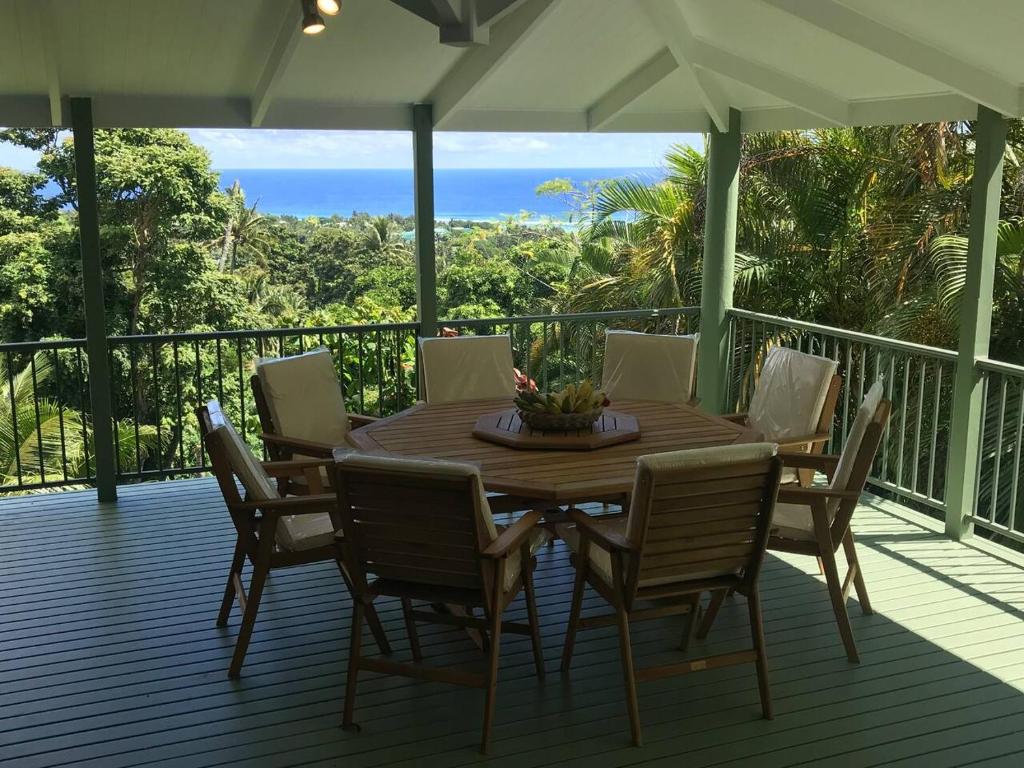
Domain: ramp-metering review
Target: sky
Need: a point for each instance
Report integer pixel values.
(383, 149)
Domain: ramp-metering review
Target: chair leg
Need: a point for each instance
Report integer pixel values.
(835, 593)
(858, 575)
(531, 613)
(372, 620)
(410, 629)
(693, 621)
(757, 632)
(492, 680)
(574, 614)
(252, 606)
(354, 650)
(717, 598)
(629, 674)
(237, 563)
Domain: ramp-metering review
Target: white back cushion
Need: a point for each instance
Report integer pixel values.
(790, 394)
(642, 366)
(257, 483)
(844, 468)
(467, 368)
(304, 397)
(429, 468)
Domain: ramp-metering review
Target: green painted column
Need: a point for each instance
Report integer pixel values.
(95, 314)
(423, 180)
(968, 417)
(713, 352)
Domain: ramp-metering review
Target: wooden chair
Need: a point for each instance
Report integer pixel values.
(646, 366)
(794, 404)
(272, 531)
(816, 521)
(424, 531)
(461, 368)
(698, 522)
(302, 410)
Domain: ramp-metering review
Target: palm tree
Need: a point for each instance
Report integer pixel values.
(245, 233)
(45, 439)
(382, 238)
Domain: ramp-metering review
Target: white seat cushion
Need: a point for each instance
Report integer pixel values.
(301, 532)
(467, 368)
(793, 521)
(304, 397)
(790, 394)
(641, 366)
(538, 538)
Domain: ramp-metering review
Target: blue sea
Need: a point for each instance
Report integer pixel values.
(474, 194)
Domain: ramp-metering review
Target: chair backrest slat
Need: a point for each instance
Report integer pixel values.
(411, 527)
(687, 527)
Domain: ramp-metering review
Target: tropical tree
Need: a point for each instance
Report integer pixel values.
(246, 238)
(42, 440)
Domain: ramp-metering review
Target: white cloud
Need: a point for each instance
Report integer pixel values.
(393, 149)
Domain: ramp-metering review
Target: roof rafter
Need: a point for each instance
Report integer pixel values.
(287, 40)
(669, 20)
(630, 88)
(968, 80)
(478, 64)
(46, 20)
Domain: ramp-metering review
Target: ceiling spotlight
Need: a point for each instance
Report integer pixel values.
(329, 7)
(312, 22)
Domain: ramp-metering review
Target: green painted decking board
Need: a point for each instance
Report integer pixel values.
(110, 657)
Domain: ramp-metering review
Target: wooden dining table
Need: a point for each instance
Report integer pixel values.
(546, 477)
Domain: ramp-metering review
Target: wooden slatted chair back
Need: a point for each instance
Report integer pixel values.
(415, 522)
(703, 518)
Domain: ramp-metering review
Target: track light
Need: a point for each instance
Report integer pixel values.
(329, 7)
(312, 22)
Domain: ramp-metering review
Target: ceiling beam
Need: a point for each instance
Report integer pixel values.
(630, 88)
(789, 89)
(672, 25)
(287, 40)
(973, 82)
(47, 32)
(699, 54)
(478, 64)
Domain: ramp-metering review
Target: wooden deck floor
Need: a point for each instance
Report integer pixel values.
(109, 657)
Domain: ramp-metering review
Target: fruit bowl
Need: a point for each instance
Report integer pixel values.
(560, 422)
(577, 406)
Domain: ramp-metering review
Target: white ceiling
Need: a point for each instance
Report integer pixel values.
(550, 65)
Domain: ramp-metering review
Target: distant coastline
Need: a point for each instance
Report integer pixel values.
(487, 194)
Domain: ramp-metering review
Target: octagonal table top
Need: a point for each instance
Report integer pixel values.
(445, 431)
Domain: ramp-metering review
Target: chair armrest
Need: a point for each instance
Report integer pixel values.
(823, 462)
(361, 420)
(510, 538)
(289, 505)
(291, 468)
(609, 540)
(808, 496)
(736, 418)
(815, 438)
(305, 447)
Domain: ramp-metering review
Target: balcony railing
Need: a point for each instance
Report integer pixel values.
(157, 380)
(999, 506)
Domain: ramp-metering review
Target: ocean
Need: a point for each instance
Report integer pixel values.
(475, 194)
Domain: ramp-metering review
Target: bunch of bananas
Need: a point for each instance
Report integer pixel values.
(573, 399)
